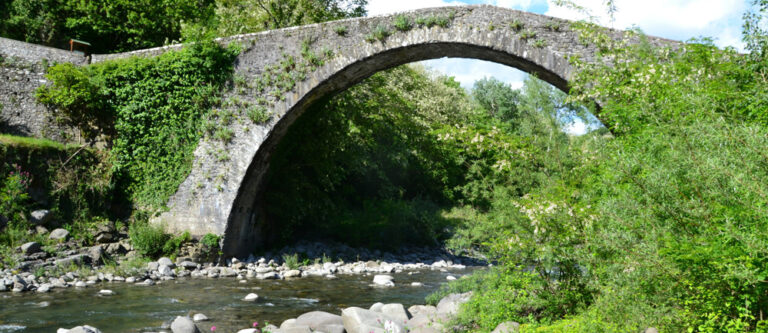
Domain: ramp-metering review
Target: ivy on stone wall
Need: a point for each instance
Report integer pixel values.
(150, 111)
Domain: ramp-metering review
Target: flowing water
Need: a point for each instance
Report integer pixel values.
(143, 309)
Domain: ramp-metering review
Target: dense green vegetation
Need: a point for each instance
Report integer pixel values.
(658, 219)
(126, 25)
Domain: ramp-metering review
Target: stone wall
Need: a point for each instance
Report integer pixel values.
(22, 69)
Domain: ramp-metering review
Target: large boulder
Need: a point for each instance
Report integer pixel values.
(59, 234)
(40, 217)
(396, 311)
(166, 261)
(164, 270)
(422, 309)
(184, 325)
(450, 304)
(358, 320)
(30, 248)
(96, 253)
(321, 321)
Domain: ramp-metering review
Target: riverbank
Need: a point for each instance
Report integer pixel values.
(81, 268)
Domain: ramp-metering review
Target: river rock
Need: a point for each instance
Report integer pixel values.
(164, 270)
(153, 265)
(251, 330)
(184, 325)
(416, 284)
(358, 320)
(190, 265)
(80, 284)
(268, 329)
(19, 284)
(450, 278)
(450, 304)
(30, 248)
(130, 279)
(59, 234)
(44, 288)
(84, 329)
(77, 259)
(376, 307)
(40, 217)
(422, 310)
(198, 317)
(166, 261)
(96, 253)
(321, 321)
(384, 280)
(396, 311)
(268, 276)
(106, 292)
(292, 273)
(251, 297)
(288, 323)
(115, 249)
(507, 327)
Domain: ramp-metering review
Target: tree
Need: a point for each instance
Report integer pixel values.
(498, 99)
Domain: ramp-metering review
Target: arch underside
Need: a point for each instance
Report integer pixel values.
(245, 228)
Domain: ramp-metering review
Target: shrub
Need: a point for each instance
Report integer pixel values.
(211, 241)
(149, 240)
(13, 195)
(516, 25)
(173, 245)
(527, 34)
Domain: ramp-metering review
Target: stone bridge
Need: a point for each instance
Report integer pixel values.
(284, 71)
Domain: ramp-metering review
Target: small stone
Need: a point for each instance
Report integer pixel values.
(416, 284)
(384, 280)
(188, 265)
(292, 273)
(41, 230)
(80, 284)
(130, 279)
(250, 330)
(106, 292)
(198, 317)
(85, 329)
(450, 278)
(251, 297)
(165, 270)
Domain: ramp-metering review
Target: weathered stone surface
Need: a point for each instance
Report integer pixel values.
(507, 327)
(30, 248)
(416, 310)
(59, 234)
(292, 273)
(198, 317)
(358, 320)
(450, 304)
(184, 325)
(321, 321)
(40, 217)
(396, 311)
(166, 261)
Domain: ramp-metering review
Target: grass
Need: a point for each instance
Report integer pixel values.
(527, 34)
(516, 25)
(403, 23)
(28, 142)
(259, 114)
(379, 33)
(291, 260)
(340, 30)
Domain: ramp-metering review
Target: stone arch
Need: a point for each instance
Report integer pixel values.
(533, 43)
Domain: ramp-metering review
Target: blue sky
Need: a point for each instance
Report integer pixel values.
(673, 19)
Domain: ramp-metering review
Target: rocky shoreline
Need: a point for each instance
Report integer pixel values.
(271, 265)
(378, 318)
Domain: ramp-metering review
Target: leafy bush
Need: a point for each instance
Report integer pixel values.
(259, 114)
(14, 196)
(340, 30)
(210, 241)
(154, 106)
(173, 245)
(148, 239)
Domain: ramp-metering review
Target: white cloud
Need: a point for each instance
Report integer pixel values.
(577, 127)
(680, 19)
(467, 71)
(521, 4)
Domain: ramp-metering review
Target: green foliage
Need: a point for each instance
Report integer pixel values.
(259, 114)
(380, 33)
(147, 239)
(434, 20)
(153, 108)
(211, 241)
(291, 260)
(552, 25)
(340, 30)
(403, 23)
(77, 97)
(516, 25)
(13, 196)
(173, 245)
(111, 26)
(527, 34)
(539, 43)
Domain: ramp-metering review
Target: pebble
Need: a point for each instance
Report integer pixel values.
(251, 297)
(80, 284)
(106, 292)
(450, 278)
(199, 317)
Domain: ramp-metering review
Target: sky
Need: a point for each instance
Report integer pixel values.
(672, 19)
